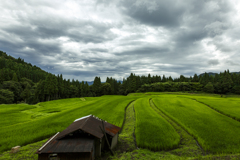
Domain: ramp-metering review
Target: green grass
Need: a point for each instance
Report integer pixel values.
(153, 131)
(27, 152)
(23, 124)
(126, 139)
(61, 114)
(14, 114)
(215, 132)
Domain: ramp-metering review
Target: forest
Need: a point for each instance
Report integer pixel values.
(23, 82)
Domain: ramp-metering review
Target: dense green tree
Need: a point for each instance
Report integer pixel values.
(26, 93)
(149, 79)
(97, 85)
(6, 96)
(164, 78)
(182, 78)
(236, 89)
(195, 78)
(170, 79)
(15, 78)
(105, 88)
(209, 88)
(226, 82)
(14, 87)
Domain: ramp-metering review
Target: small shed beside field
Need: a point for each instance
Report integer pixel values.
(83, 139)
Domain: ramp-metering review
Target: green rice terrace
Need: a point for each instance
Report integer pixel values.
(154, 125)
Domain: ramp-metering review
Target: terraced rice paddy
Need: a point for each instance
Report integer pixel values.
(152, 130)
(215, 132)
(226, 106)
(209, 119)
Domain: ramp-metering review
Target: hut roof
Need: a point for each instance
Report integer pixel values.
(70, 145)
(91, 125)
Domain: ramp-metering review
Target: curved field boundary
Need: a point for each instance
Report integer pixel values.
(126, 137)
(125, 114)
(152, 130)
(215, 132)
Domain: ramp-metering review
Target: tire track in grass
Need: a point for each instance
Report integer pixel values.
(153, 132)
(188, 145)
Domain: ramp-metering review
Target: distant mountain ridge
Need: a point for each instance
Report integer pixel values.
(213, 74)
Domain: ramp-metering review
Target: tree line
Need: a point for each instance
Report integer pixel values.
(222, 83)
(22, 82)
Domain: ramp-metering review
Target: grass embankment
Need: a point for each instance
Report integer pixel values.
(126, 137)
(153, 131)
(215, 132)
(61, 114)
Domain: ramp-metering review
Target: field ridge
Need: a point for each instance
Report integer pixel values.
(125, 114)
(134, 136)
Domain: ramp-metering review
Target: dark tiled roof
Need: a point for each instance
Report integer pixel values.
(70, 145)
(90, 125)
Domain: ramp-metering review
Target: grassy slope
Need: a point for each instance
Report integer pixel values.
(13, 114)
(110, 108)
(214, 131)
(153, 131)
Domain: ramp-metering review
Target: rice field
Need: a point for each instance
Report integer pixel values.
(153, 131)
(208, 118)
(215, 132)
(226, 106)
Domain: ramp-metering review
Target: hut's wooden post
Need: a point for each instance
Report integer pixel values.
(103, 130)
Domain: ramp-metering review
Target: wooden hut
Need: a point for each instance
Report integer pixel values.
(83, 139)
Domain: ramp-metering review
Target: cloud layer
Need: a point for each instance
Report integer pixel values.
(84, 39)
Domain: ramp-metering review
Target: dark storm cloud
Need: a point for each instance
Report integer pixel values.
(98, 50)
(232, 63)
(84, 32)
(145, 51)
(156, 13)
(213, 62)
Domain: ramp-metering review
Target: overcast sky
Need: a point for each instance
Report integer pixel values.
(82, 39)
